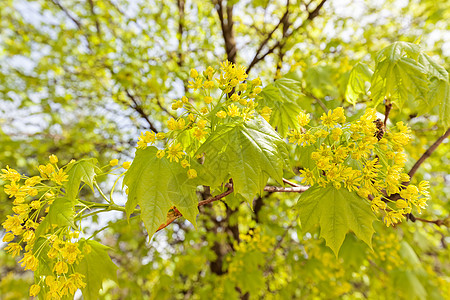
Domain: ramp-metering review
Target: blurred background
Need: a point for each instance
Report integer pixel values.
(83, 78)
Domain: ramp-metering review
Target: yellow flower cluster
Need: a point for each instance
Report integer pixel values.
(252, 242)
(387, 250)
(330, 267)
(355, 156)
(21, 226)
(236, 100)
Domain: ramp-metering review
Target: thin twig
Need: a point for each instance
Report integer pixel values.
(427, 153)
(437, 222)
(290, 183)
(294, 189)
(388, 107)
(140, 111)
(176, 213)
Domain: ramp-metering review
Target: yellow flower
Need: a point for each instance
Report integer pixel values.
(199, 133)
(180, 124)
(192, 173)
(126, 165)
(160, 135)
(235, 97)
(257, 90)
(266, 112)
(34, 290)
(78, 280)
(209, 72)
(28, 236)
(336, 133)
(308, 176)
(160, 154)
(29, 262)
(113, 162)
(53, 159)
(338, 115)
(208, 99)
(12, 189)
(14, 224)
(233, 111)
(8, 237)
(172, 124)
(303, 119)
(202, 124)
(209, 84)
(70, 252)
(221, 114)
(175, 152)
(32, 181)
(14, 249)
(256, 81)
(401, 204)
(61, 268)
(204, 110)
(10, 174)
(184, 163)
(327, 119)
(59, 177)
(193, 73)
(184, 99)
(295, 137)
(242, 87)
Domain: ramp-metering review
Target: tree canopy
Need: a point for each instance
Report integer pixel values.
(243, 149)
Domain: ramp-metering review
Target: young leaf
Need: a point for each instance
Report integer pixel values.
(248, 153)
(337, 212)
(82, 170)
(156, 185)
(96, 266)
(439, 93)
(398, 80)
(281, 96)
(356, 85)
(61, 213)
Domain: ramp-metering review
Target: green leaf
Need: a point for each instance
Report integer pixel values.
(61, 213)
(248, 153)
(96, 266)
(82, 170)
(397, 50)
(46, 264)
(439, 89)
(356, 85)
(281, 96)
(433, 68)
(156, 185)
(337, 212)
(399, 80)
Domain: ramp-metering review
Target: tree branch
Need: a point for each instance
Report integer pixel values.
(67, 13)
(256, 59)
(311, 15)
(140, 111)
(227, 30)
(177, 213)
(388, 107)
(428, 153)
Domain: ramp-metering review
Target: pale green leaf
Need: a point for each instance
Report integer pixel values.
(248, 153)
(397, 50)
(96, 266)
(356, 85)
(336, 212)
(82, 170)
(61, 213)
(156, 185)
(281, 96)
